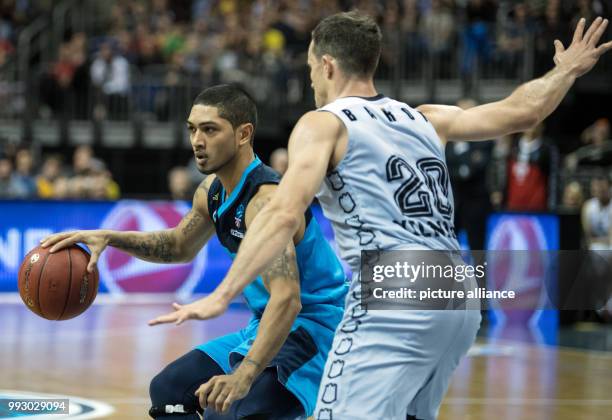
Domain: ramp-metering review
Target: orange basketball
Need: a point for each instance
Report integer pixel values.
(57, 286)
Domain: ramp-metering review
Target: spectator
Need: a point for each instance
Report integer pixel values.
(512, 39)
(99, 185)
(82, 160)
(498, 170)
(51, 170)
(179, 183)
(110, 74)
(80, 80)
(63, 88)
(598, 133)
(596, 215)
(7, 182)
(437, 29)
(25, 183)
(147, 51)
(573, 198)
(468, 166)
(477, 39)
(61, 188)
(532, 173)
(598, 149)
(279, 160)
(554, 27)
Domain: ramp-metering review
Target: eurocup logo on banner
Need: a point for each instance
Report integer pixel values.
(123, 273)
(520, 271)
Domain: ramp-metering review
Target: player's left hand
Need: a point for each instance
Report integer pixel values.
(211, 306)
(584, 52)
(220, 392)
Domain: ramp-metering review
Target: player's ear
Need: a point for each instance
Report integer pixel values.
(328, 62)
(245, 132)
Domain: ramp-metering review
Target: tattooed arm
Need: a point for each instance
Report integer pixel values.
(282, 280)
(179, 244)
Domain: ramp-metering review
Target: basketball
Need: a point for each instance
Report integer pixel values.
(57, 286)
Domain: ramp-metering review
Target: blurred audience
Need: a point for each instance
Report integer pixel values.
(50, 172)
(87, 179)
(110, 74)
(477, 37)
(438, 27)
(468, 165)
(512, 37)
(279, 160)
(532, 173)
(598, 133)
(597, 214)
(261, 44)
(573, 197)
(25, 182)
(64, 86)
(597, 150)
(179, 183)
(7, 182)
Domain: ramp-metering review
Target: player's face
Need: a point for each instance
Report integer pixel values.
(213, 138)
(317, 79)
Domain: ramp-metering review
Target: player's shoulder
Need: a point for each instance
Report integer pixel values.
(435, 110)
(264, 194)
(205, 185)
(319, 121)
(200, 197)
(319, 116)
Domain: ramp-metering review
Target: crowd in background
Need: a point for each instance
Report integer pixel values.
(143, 54)
(525, 173)
(24, 176)
(140, 54)
(15, 15)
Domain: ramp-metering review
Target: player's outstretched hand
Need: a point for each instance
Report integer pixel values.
(209, 307)
(96, 241)
(583, 53)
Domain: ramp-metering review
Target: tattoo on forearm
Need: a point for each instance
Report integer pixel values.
(158, 247)
(284, 266)
(255, 363)
(193, 218)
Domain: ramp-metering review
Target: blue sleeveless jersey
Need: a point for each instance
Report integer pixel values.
(323, 288)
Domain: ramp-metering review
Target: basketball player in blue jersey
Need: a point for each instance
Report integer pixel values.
(377, 167)
(272, 368)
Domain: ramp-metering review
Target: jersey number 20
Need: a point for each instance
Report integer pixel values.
(414, 196)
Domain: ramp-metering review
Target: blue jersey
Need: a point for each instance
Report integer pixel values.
(323, 288)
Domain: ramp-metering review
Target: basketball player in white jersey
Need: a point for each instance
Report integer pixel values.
(377, 167)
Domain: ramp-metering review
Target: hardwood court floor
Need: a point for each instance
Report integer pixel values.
(109, 354)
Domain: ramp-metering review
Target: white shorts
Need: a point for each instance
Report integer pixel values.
(388, 364)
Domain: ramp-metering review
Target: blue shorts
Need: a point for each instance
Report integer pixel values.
(300, 361)
(176, 384)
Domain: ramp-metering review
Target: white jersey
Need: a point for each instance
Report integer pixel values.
(392, 188)
(599, 218)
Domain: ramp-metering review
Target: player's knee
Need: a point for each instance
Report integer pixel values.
(160, 388)
(164, 391)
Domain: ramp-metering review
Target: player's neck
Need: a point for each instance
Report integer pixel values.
(231, 173)
(353, 87)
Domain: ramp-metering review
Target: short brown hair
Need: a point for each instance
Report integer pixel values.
(352, 38)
